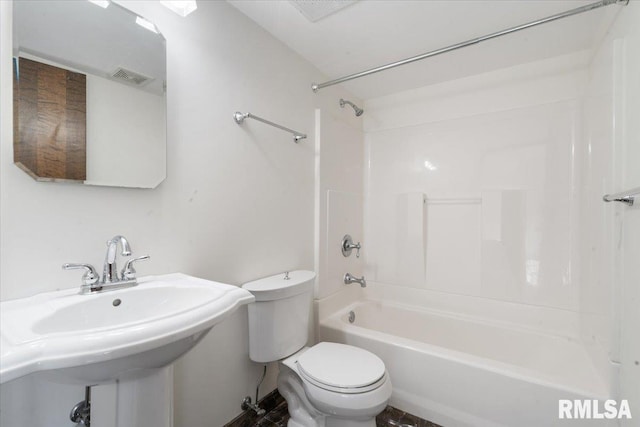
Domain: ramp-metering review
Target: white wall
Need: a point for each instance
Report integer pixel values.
(599, 299)
(237, 204)
(629, 26)
(340, 199)
(610, 294)
(495, 157)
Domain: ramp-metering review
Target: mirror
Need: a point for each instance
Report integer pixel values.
(89, 94)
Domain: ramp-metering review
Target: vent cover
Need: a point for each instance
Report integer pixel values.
(315, 10)
(122, 74)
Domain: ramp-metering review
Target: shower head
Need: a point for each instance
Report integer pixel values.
(357, 109)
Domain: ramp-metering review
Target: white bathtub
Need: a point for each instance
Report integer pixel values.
(467, 370)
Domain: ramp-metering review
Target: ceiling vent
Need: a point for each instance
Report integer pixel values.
(131, 77)
(315, 10)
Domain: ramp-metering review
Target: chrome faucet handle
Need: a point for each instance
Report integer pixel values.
(357, 247)
(89, 278)
(348, 246)
(128, 272)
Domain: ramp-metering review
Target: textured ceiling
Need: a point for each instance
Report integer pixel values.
(371, 33)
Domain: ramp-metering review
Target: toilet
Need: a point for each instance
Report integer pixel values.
(326, 385)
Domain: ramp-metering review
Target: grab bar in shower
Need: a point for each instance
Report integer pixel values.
(623, 196)
(239, 118)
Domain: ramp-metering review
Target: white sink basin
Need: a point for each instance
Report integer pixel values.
(91, 339)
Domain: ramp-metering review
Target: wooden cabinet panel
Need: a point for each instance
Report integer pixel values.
(49, 121)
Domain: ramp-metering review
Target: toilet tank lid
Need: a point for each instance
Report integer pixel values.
(279, 287)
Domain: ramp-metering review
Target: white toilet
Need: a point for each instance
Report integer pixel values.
(327, 385)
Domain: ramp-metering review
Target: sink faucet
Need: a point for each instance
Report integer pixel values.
(110, 279)
(348, 278)
(110, 271)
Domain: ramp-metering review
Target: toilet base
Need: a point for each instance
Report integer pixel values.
(305, 414)
(301, 412)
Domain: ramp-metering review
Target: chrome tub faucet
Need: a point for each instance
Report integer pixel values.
(348, 278)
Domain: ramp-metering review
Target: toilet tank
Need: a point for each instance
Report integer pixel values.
(279, 318)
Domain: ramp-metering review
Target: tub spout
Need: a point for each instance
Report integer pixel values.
(348, 278)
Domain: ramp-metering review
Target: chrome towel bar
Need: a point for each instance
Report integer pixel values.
(239, 118)
(623, 196)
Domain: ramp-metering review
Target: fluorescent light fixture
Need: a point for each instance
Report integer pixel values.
(181, 7)
(146, 24)
(102, 3)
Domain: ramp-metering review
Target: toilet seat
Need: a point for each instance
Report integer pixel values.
(341, 368)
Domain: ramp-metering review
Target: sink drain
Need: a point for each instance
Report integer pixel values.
(352, 316)
(116, 302)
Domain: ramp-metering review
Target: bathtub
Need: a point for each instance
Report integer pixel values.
(468, 370)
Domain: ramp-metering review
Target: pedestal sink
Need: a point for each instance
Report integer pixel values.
(98, 338)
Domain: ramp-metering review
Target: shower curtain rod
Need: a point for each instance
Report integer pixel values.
(317, 86)
(239, 118)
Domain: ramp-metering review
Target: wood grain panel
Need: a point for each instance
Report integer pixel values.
(76, 115)
(25, 109)
(50, 139)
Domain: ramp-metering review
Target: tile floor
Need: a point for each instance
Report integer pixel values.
(277, 416)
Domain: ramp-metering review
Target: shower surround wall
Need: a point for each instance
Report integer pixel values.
(339, 186)
(611, 232)
(474, 189)
(493, 157)
(237, 204)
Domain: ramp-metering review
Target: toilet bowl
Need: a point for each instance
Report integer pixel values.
(333, 384)
(326, 385)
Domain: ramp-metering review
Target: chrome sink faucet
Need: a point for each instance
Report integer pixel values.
(110, 279)
(110, 271)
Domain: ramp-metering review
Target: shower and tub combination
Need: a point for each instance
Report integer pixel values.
(487, 248)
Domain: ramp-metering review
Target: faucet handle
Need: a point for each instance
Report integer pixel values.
(348, 246)
(128, 272)
(89, 278)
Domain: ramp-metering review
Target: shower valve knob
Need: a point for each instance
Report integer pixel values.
(348, 246)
